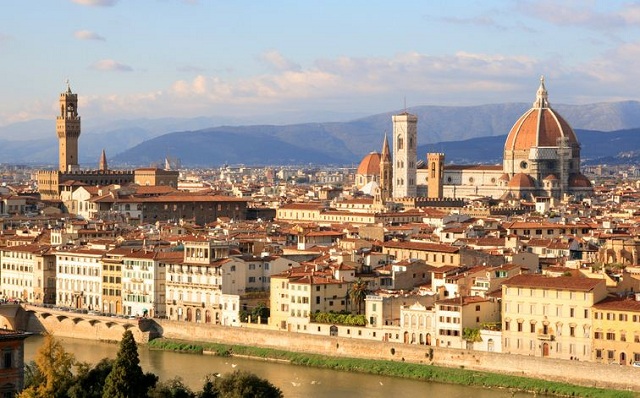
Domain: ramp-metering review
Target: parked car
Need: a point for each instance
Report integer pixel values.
(636, 364)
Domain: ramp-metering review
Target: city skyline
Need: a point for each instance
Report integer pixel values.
(193, 58)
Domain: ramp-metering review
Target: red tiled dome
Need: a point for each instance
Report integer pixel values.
(521, 180)
(370, 164)
(579, 181)
(551, 177)
(540, 126)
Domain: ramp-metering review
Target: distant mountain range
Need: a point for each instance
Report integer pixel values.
(473, 134)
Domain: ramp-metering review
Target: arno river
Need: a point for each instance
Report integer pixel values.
(294, 381)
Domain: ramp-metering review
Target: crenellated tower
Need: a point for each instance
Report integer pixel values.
(68, 129)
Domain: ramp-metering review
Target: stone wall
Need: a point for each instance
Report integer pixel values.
(582, 373)
(82, 326)
(102, 328)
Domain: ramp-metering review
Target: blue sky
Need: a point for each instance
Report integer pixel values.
(184, 58)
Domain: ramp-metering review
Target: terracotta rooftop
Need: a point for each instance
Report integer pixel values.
(559, 283)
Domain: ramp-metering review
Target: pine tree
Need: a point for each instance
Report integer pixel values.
(126, 379)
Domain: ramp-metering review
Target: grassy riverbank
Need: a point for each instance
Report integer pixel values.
(396, 369)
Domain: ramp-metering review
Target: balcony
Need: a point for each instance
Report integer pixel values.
(546, 337)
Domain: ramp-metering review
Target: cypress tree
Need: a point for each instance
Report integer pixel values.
(126, 379)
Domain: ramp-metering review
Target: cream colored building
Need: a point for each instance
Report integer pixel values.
(549, 316)
(28, 273)
(204, 285)
(434, 254)
(79, 278)
(298, 292)
(143, 284)
(456, 314)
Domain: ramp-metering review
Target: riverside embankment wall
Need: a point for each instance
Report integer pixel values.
(582, 373)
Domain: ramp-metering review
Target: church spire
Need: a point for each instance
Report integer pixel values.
(103, 162)
(386, 154)
(386, 171)
(542, 100)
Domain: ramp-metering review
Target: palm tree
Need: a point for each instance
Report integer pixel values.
(358, 292)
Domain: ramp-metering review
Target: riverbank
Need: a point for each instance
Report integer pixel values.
(576, 373)
(423, 372)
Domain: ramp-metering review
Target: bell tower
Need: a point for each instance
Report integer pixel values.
(405, 141)
(435, 162)
(68, 129)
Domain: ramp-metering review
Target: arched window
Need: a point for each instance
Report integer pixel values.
(400, 143)
(433, 169)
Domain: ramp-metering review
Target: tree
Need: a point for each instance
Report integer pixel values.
(51, 375)
(126, 379)
(242, 384)
(471, 335)
(358, 292)
(90, 381)
(173, 388)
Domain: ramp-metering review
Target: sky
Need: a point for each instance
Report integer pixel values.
(130, 59)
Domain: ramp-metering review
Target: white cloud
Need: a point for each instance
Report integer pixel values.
(580, 13)
(278, 62)
(378, 84)
(87, 35)
(96, 3)
(109, 64)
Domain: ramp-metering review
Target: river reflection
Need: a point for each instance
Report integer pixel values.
(294, 381)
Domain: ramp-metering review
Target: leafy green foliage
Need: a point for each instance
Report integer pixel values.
(173, 388)
(357, 293)
(90, 381)
(339, 318)
(242, 384)
(471, 335)
(259, 313)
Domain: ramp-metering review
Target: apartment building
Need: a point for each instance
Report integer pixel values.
(112, 280)
(79, 278)
(203, 284)
(298, 292)
(616, 330)
(454, 315)
(549, 316)
(28, 273)
(143, 284)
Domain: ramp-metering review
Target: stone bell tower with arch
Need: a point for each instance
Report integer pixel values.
(68, 129)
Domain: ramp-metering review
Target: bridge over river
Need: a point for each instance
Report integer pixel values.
(69, 323)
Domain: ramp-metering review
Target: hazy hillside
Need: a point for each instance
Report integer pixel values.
(138, 141)
(240, 145)
(597, 147)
